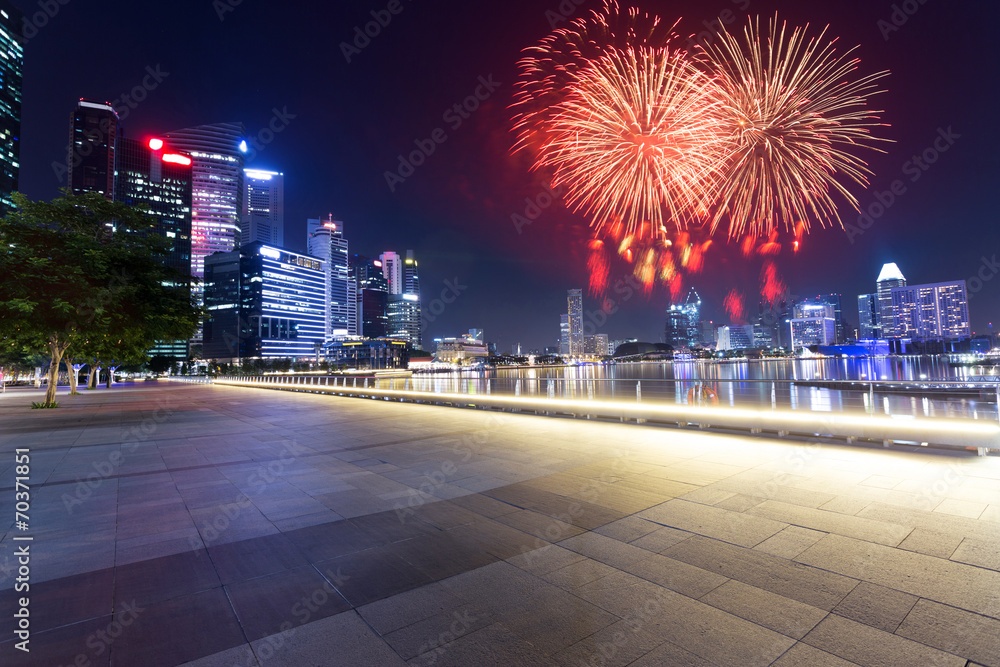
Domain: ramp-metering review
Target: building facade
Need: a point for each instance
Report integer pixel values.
(217, 192)
(932, 311)
(574, 300)
(889, 278)
(11, 78)
(263, 215)
(868, 313)
(326, 240)
(372, 297)
(683, 331)
(153, 178)
(93, 141)
(808, 331)
(402, 276)
(735, 337)
(264, 302)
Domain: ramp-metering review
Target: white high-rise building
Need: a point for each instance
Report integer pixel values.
(263, 217)
(392, 269)
(888, 278)
(575, 307)
(326, 241)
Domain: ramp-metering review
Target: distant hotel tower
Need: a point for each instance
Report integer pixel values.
(263, 217)
(11, 72)
(93, 140)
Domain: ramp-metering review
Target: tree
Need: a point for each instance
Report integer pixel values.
(81, 272)
(160, 364)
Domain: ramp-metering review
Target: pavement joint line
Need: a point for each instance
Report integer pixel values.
(232, 463)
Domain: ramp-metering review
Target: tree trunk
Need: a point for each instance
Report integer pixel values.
(56, 348)
(72, 370)
(111, 375)
(92, 373)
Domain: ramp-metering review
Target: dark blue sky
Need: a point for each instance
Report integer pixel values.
(242, 60)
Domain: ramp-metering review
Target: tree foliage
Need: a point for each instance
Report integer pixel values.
(85, 274)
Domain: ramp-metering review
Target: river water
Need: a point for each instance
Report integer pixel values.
(764, 383)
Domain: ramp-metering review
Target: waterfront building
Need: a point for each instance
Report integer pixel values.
(264, 302)
(575, 312)
(93, 139)
(816, 330)
(564, 334)
(11, 79)
(376, 354)
(931, 311)
(404, 296)
(833, 301)
(263, 215)
(462, 350)
(404, 318)
(868, 328)
(392, 269)
(327, 242)
(888, 278)
(735, 337)
(683, 331)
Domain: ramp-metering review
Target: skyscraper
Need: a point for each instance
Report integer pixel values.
(564, 334)
(932, 311)
(217, 193)
(832, 300)
(93, 140)
(683, 330)
(574, 300)
(326, 241)
(11, 75)
(263, 215)
(372, 297)
(392, 269)
(868, 317)
(889, 277)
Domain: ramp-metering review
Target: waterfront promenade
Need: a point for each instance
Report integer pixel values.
(225, 526)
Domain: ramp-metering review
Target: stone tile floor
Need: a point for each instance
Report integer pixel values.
(190, 524)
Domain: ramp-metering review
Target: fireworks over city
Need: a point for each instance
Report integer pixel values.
(662, 148)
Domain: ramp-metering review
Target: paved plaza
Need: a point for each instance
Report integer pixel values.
(175, 523)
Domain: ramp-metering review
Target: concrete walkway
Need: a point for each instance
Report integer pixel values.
(177, 523)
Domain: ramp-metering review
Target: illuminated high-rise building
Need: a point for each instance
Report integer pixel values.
(11, 75)
(574, 298)
(93, 140)
(888, 278)
(932, 311)
(372, 296)
(392, 269)
(326, 241)
(564, 334)
(217, 192)
(263, 216)
(868, 328)
(683, 330)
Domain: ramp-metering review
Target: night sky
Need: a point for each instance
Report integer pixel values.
(352, 120)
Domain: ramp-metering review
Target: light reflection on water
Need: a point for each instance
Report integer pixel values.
(752, 387)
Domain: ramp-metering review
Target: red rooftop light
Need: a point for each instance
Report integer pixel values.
(177, 159)
(155, 144)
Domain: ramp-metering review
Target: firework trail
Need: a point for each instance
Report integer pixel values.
(796, 119)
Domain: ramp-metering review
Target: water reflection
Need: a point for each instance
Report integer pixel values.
(768, 383)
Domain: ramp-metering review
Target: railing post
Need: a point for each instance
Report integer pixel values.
(638, 391)
(552, 389)
(517, 388)
(774, 396)
(590, 390)
(871, 396)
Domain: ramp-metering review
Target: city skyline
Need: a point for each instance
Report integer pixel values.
(457, 213)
